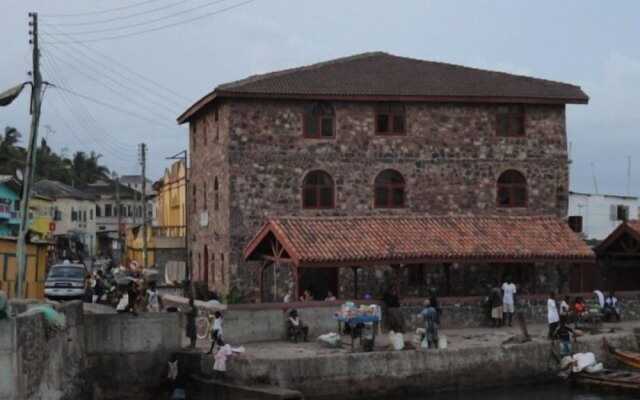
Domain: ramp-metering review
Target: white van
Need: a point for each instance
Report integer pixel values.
(65, 282)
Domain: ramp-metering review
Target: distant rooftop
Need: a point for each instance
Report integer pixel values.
(58, 190)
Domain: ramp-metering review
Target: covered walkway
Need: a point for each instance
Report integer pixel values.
(323, 244)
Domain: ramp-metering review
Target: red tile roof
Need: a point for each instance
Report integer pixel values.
(413, 238)
(382, 76)
(632, 227)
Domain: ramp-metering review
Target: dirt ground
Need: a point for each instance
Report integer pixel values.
(456, 338)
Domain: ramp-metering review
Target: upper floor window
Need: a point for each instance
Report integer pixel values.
(204, 196)
(203, 127)
(194, 196)
(317, 190)
(216, 195)
(512, 189)
(389, 190)
(390, 119)
(194, 137)
(319, 121)
(510, 121)
(98, 211)
(107, 210)
(217, 125)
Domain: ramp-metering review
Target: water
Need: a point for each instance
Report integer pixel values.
(540, 392)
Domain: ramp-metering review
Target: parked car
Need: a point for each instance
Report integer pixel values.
(65, 282)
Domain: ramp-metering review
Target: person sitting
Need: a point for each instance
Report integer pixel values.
(330, 297)
(580, 307)
(611, 307)
(295, 327)
(306, 296)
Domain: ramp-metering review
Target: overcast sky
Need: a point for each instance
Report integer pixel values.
(593, 44)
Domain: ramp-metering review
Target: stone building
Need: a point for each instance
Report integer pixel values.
(371, 134)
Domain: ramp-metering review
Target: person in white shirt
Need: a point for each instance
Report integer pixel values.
(552, 314)
(564, 308)
(508, 308)
(216, 331)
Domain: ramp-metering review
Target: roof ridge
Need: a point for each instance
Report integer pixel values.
(258, 77)
(411, 216)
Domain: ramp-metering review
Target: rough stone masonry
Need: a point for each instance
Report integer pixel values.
(250, 157)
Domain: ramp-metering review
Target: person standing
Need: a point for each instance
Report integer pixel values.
(430, 316)
(216, 331)
(509, 290)
(192, 314)
(154, 301)
(552, 314)
(564, 334)
(495, 301)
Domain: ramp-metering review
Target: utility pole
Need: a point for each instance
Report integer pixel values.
(183, 156)
(36, 99)
(118, 207)
(143, 164)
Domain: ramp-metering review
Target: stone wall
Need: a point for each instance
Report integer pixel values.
(96, 356)
(127, 355)
(37, 362)
(404, 374)
(450, 158)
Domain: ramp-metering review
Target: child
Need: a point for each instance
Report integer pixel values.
(216, 331)
(563, 333)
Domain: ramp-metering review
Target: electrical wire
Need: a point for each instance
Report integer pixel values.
(119, 18)
(86, 119)
(136, 33)
(144, 23)
(113, 61)
(101, 11)
(126, 96)
(109, 73)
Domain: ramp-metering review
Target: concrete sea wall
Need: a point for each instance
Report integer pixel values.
(362, 375)
(96, 356)
(245, 323)
(37, 362)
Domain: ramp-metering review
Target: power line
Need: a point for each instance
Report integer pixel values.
(113, 61)
(84, 59)
(111, 106)
(149, 22)
(126, 96)
(119, 18)
(136, 33)
(101, 11)
(88, 120)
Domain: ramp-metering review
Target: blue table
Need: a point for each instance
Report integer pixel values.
(354, 321)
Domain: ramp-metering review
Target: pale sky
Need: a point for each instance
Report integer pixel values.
(593, 44)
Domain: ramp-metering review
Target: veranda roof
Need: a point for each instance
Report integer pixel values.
(410, 239)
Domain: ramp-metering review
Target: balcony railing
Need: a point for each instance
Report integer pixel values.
(176, 231)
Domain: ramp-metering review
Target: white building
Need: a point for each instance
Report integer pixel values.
(73, 213)
(135, 182)
(601, 213)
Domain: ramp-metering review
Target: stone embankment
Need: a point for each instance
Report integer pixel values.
(475, 359)
(96, 356)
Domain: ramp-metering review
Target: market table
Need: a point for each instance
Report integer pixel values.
(353, 321)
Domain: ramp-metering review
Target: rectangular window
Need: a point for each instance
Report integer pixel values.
(74, 215)
(390, 119)
(91, 215)
(194, 196)
(98, 211)
(622, 212)
(194, 137)
(575, 223)
(84, 216)
(129, 211)
(217, 125)
(107, 210)
(510, 121)
(16, 205)
(204, 197)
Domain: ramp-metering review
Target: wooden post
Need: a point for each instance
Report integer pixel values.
(263, 267)
(355, 282)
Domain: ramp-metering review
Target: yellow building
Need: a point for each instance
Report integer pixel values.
(37, 255)
(41, 216)
(166, 238)
(171, 199)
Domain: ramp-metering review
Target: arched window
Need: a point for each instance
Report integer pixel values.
(389, 190)
(319, 121)
(512, 189)
(317, 190)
